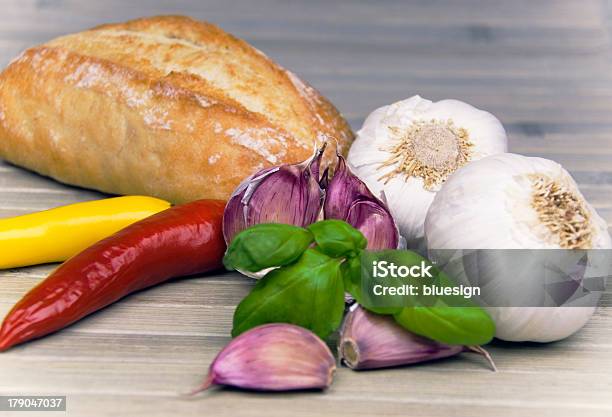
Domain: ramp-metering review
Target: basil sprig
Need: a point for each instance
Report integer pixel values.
(316, 266)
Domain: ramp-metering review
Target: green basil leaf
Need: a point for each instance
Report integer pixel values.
(351, 275)
(266, 245)
(309, 293)
(450, 325)
(449, 319)
(337, 238)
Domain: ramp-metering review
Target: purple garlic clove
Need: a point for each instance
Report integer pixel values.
(371, 341)
(375, 222)
(273, 357)
(344, 188)
(289, 194)
(349, 199)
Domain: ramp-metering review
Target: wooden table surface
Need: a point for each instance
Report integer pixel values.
(543, 67)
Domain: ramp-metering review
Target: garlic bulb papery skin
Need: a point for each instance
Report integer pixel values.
(408, 149)
(509, 201)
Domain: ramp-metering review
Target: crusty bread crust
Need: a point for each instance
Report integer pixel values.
(165, 106)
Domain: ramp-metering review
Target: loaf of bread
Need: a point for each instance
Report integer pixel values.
(165, 106)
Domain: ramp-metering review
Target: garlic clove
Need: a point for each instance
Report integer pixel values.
(375, 222)
(372, 341)
(234, 219)
(273, 357)
(343, 189)
(408, 149)
(349, 199)
(289, 194)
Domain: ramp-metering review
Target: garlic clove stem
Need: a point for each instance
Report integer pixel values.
(479, 350)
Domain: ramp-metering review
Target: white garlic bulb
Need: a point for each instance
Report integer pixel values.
(510, 201)
(406, 150)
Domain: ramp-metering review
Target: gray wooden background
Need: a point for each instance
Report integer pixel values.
(542, 66)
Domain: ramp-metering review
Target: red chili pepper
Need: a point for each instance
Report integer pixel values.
(182, 240)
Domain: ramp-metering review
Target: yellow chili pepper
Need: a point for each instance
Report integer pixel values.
(57, 234)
